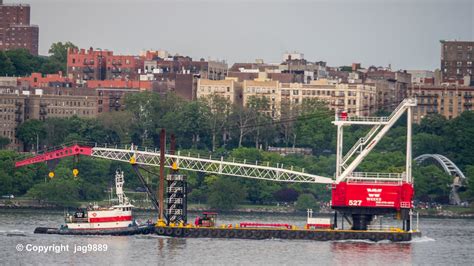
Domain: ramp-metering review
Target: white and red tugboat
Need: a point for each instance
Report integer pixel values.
(114, 220)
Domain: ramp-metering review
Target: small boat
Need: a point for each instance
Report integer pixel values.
(95, 220)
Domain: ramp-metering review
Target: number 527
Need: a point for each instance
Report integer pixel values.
(355, 202)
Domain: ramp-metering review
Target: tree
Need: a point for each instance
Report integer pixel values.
(459, 139)
(259, 107)
(6, 66)
(119, 122)
(218, 115)
(315, 130)
(145, 108)
(190, 124)
(243, 118)
(286, 195)
(225, 194)
(306, 201)
(31, 132)
(4, 142)
(17, 181)
(289, 113)
(61, 191)
(433, 124)
(470, 182)
(431, 183)
(52, 67)
(58, 51)
(23, 62)
(427, 143)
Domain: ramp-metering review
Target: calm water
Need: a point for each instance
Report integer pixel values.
(445, 242)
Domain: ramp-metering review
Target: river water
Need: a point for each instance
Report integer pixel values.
(444, 242)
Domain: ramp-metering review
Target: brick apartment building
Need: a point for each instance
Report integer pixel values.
(17, 106)
(84, 65)
(180, 74)
(392, 86)
(15, 29)
(457, 59)
(38, 80)
(447, 100)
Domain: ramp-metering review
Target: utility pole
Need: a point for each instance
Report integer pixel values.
(161, 185)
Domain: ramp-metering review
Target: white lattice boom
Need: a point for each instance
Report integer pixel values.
(210, 166)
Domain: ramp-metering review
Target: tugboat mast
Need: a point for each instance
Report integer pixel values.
(119, 181)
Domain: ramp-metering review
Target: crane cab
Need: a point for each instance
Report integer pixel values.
(208, 220)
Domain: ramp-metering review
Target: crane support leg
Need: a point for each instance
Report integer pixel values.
(146, 186)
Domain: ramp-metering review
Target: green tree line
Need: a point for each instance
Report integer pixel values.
(19, 62)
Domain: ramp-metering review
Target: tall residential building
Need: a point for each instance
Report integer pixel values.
(447, 100)
(457, 59)
(393, 86)
(180, 73)
(17, 105)
(355, 99)
(15, 29)
(228, 88)
(263, 88)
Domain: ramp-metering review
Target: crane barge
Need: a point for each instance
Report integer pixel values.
(357, 197)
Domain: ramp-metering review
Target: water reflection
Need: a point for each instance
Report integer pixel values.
(370, 253)
(169, 246)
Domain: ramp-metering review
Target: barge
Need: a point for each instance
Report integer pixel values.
(319, 229)
(301, 234)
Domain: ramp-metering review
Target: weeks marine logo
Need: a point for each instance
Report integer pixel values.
(373, 194)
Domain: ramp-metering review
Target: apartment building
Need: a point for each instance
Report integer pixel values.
(457, 59)
(447, 100)
(38, 80)
(228, 88)
(263, 88)
(11, 114)
(422, 77)
(59, 102)
(83, 65)
(355, 99)
(16, 32)
(18, 105)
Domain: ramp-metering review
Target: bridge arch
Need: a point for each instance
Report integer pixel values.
(448, 165)
(459, 179)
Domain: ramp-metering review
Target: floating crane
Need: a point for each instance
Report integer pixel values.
(357, 196)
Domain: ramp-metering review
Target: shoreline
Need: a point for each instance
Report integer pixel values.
(247, 209)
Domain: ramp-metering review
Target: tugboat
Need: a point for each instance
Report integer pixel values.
(95, 220)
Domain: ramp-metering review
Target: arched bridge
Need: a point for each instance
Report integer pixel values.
(450, 168)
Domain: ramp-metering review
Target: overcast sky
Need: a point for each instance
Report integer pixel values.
(404, 33)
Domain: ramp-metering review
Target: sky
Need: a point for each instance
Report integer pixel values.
(403, 33)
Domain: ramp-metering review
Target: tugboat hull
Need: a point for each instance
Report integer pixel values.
(132, 230)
